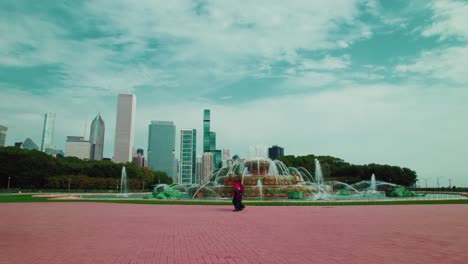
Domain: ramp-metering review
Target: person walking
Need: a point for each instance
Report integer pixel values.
(237, 191)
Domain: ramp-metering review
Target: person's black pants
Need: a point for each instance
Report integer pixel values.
(237, 203)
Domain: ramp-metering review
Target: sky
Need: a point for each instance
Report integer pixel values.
(367, 81)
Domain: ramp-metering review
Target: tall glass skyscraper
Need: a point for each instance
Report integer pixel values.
(206, 131)
(161, 147)
(209, 140)
(124, 128)
(3, 135)
(96, 137)
(188, 151)
(48, 132)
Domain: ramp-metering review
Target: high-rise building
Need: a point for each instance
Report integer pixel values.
(206, 131)
(96, 137)
(226, 154)
(188, 154)
(3, 135)
(227, 160)
(29, 144)
(207, 166)
(209, 140)
(275, 152)
(198, 170)
(161, 147)
(77, 146)
(48, 129)
(217, 159)
(124, 128)
(212, 140)
(139, 159)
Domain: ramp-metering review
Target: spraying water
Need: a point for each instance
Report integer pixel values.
(322, 193)
(373, 185)
(123, 183)
(260, 188)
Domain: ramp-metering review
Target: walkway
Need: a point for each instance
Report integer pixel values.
(49, 233)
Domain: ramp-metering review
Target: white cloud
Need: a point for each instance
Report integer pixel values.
(327, 63)
(444, 64)
(449, 20)
(193, 47)
(309, 80)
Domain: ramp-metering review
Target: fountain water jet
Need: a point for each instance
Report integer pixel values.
(373, 185)
(123, 183)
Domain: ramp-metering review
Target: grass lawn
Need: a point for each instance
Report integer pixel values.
(18, 198)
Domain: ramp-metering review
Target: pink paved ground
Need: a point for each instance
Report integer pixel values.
(124, 233)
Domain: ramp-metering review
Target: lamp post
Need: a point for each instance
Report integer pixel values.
(69, 181)
(143, 186)
(8, 186)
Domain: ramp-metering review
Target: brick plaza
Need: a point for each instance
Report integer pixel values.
(50, 233)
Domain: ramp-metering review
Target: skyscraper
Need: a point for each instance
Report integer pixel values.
(47, 141)
(226, 154)
(124, 128)
(227, 161)
(206, 131)
(77, 146)
(212, 141)
(96, 137)
(275, 152)
(3, 135)
(209, 140)
(207, 166)
(188, 148)
(161, 147)
(198, 170)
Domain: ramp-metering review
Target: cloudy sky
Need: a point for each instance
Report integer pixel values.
(366, 81)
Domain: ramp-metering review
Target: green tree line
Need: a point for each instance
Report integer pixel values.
(32, 169)
(336, 169)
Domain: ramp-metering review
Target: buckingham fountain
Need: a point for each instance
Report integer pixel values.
(264, 178)
(268, 179)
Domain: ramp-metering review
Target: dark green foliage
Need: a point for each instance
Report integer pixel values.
(34, 169)
(339, 170)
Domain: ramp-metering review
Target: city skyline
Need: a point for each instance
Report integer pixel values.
(366, 81)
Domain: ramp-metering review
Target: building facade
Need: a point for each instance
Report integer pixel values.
(209, 140)
(226, 154)
(124, 128)
(188, 154)
(3, 135)
(206, 130)
(76, 146)
(198, 170)
(275, 152)
(207, 166)
(29, 144)
(48, 129)
(96, 137)
(161, 147)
